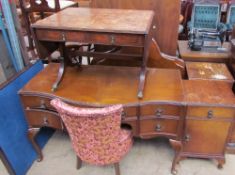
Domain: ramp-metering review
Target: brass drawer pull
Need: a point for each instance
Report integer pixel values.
(123, 115)
(42, 106)
(159, 112)
(45, 121)
(210, 114)
(63, 37)
(158, 128)
(187, 138)
(112, 40)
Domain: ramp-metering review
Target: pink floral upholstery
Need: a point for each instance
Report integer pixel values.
(95, 132)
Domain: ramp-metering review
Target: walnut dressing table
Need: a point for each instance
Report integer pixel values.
(115, 27)
(197, 121)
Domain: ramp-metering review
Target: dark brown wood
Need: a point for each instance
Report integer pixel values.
(199, 56)
(166, 19)
(177, 146)
(99, 20)
(117, 169)
(156, 59)
(32, 132)
(6, 163)
(209, 71)
(79, 163)
(207, 127)
(98, 26)
(197, 116)
(44, 8)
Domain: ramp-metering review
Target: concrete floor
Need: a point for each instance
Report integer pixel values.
(3, 170)
(147, 157)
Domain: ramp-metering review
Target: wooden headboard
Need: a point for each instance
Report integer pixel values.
(166, 19)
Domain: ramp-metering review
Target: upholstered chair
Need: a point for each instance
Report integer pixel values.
(206, 16)
(95, 133)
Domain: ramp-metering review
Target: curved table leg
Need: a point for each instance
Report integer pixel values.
(59, 76)
(142, 82)
(221, 163)
(32, 132)
(177, 146)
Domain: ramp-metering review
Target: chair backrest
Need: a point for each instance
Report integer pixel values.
(91, 130)
(231, 15)
(40, 5)
(205, 16)
(29, 7)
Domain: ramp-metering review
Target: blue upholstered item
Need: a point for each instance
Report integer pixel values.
(13, 126)
(231, 17)
(205, 16)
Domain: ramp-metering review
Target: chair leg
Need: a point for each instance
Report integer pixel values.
(79, 163)
(117, 169)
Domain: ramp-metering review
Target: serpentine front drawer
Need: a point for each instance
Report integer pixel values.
(156, 127)
(43, 118)
(160, 110)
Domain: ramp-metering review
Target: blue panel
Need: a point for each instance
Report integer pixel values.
(13, 130)
(206, 17)
(232, 17)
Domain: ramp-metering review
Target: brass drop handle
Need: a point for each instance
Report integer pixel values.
(158, 127)
(210, 114)
(43, 106)
(45, 121)
(187, 137)
(63, 37)
(159, 112)
(112, 39)
(123, 115)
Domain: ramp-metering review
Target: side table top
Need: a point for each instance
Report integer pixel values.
(99, 20)
(208, 71)
(188, 55)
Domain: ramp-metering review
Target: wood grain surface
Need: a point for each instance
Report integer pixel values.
(104, 20)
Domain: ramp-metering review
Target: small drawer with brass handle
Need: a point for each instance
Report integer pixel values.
(35, 102)
(210, 112)
(41, 118)
(159, 126)
(161, 110)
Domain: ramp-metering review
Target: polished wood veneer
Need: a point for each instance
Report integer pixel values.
(96, 26)
(196, 116)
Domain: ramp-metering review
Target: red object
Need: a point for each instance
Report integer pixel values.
(95, 132)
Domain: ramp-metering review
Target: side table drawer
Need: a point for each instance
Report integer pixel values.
(159, 127)
(211, 112)
(43, 118)
(91, 37)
